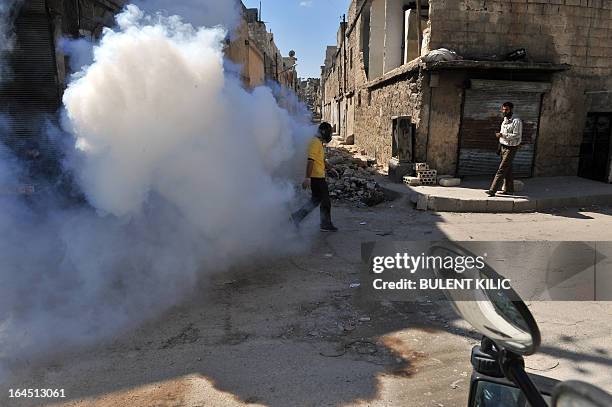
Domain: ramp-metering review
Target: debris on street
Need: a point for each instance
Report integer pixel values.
(356, 184)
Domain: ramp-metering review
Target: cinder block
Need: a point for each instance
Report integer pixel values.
(421, 166)
(412, 181)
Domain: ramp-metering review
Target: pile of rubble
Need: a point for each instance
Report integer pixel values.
(356, 182)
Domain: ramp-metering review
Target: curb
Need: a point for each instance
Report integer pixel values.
(504, 205)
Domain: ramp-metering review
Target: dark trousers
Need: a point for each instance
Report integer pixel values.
(320, 197)
(504, 173)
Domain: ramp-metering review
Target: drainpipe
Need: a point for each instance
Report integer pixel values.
(344, 48)
(420, 33)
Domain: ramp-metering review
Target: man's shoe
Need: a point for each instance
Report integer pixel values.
(489, 192)
(330, 228)
(506, 193)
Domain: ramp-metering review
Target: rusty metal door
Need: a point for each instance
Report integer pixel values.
(482, 119)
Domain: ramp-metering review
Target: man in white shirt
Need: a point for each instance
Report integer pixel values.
(510, 137)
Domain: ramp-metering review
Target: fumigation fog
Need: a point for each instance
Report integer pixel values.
(184, 173)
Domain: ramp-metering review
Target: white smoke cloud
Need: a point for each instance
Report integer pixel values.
(185, 173)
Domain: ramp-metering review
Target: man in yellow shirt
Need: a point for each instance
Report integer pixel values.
(315, 180)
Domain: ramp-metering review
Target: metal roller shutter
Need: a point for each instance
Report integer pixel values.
(482, 119)
(30, 96)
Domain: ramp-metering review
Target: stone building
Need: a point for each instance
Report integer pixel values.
(403, 109)
(244, 52)
(276, 67)
(310, 93)
(36, 70)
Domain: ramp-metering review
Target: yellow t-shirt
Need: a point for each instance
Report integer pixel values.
(316, 154)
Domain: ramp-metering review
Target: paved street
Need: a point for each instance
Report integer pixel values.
(291, 331)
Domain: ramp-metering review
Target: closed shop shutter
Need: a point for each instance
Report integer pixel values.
(29, 96)
(482, 119)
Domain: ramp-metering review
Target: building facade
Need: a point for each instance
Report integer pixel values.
(310, 94)
(244, 52)
(403, 108)
(36, 70)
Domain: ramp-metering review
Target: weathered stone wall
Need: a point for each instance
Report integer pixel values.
(560, 31)
(374, 117)
(574, 32)
(264, 40)
(444, 122)
(375, 106)
(331, 91)
(84, 18)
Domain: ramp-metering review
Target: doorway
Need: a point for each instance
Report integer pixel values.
(595, 148)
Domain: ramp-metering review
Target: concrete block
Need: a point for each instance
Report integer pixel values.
(397, 170)
(450, 182)
(412, 181)
(442, 204)
(472, 205)
(422, 203)
(421, 166)
(500, 205)
(524, 205)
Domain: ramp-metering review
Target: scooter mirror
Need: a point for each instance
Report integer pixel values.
(497, 313)
(573, 393)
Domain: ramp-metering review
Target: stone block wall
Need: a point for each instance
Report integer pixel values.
(559, 31)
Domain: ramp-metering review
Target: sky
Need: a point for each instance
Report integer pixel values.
(305, 26)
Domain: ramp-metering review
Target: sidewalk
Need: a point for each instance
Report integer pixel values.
(538, 194)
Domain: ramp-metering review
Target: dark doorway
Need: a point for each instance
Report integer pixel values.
(402, 143)
(595, 148)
